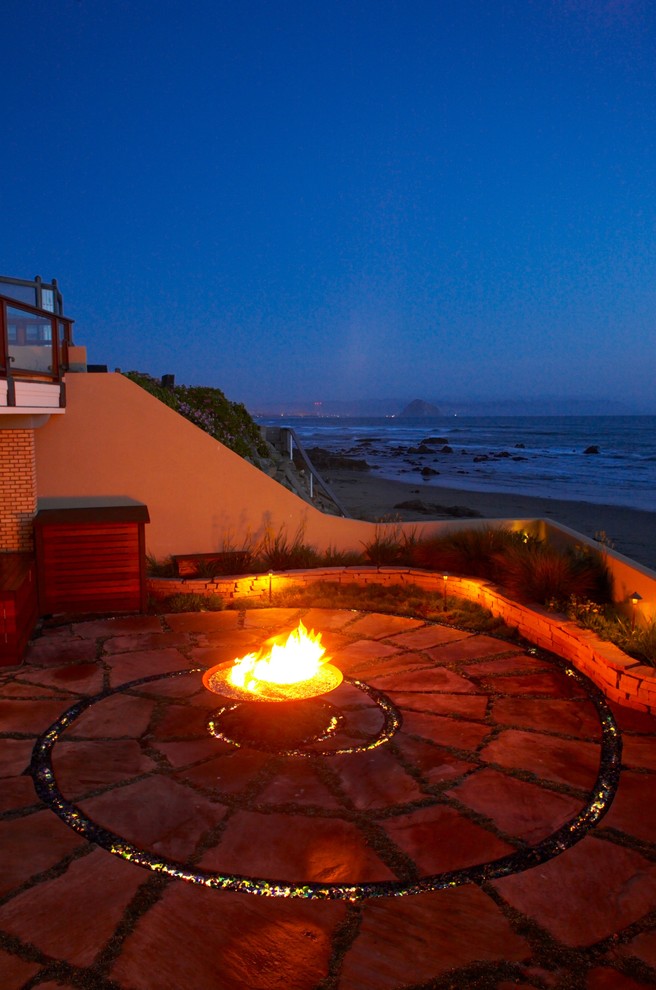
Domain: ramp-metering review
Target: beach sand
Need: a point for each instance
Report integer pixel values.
(364, 495)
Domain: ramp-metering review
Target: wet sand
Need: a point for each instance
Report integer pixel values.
(631, 532)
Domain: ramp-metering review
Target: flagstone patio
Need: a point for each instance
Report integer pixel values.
(465, 823)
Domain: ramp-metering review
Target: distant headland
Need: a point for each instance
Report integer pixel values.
(419, 409)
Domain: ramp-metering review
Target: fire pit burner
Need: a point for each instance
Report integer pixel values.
(290, 668)
(218, 680)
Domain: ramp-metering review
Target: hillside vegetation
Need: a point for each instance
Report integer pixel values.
(228, 422)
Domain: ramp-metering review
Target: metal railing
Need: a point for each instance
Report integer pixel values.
(33, 292)
(284, 438)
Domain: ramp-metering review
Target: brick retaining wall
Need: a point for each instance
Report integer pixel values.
(620, 677)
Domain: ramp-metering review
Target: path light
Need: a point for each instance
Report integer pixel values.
(445, 578)
(635, 597)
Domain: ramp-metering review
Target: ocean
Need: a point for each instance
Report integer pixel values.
(529, 455)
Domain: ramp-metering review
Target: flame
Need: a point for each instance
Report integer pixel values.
(298, 659)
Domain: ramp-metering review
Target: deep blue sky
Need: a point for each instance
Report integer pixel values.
(308, 199)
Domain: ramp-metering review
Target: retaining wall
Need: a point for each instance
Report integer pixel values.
(620, 677)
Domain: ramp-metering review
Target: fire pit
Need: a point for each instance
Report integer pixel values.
(293, 670)
(287, 679)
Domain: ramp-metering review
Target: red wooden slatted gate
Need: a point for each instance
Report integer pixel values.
(91, 559)
(18, 605)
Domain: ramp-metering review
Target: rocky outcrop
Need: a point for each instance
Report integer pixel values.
(418, 409)
(323, 459)
(433, 509)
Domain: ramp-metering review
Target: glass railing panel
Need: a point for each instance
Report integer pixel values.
(29, 342)
(25, 293)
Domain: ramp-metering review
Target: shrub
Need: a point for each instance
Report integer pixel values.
(390, 547)
(537, 572)
(208, 408)
(281, 552)
(341, 558)
(160, 568)
(473, 552)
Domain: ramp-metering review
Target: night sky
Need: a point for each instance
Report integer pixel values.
(317, 200)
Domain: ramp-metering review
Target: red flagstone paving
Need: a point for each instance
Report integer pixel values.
(186, 940)
(86, 678)
(16, 971)
(570, 894)
(15, 756)
(16, 793)
(63, 648)
(518, 807)
(643, 947)
(561, 760)
(570, 718)
(417, 939)
(315, 849)
(428, 678)
(609, 979)
(496, 750)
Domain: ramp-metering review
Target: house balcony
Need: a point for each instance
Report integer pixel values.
(36, 350)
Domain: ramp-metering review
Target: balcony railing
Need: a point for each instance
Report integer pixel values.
(33, 347)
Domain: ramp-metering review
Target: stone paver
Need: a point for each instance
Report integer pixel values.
(185, 940)
(295, 849)
(496, 751)
(578, 882)
(426, 936)
(16, 971)
(518, 807)
(83, 678)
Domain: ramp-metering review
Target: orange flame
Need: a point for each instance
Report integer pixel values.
(298, 659)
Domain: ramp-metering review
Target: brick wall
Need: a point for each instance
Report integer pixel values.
(620, 677)
(17, 489)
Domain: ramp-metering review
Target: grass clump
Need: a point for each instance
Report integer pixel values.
(475, 552)
(164, 568)
(537, 572)
(190, 602)
(391, 547)
(528, 569)
(281, 552)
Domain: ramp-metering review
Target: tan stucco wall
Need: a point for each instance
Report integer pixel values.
(118, 440)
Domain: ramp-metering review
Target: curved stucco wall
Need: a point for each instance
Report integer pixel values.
(118, 440)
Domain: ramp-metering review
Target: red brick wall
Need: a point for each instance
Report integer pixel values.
(17, 489)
